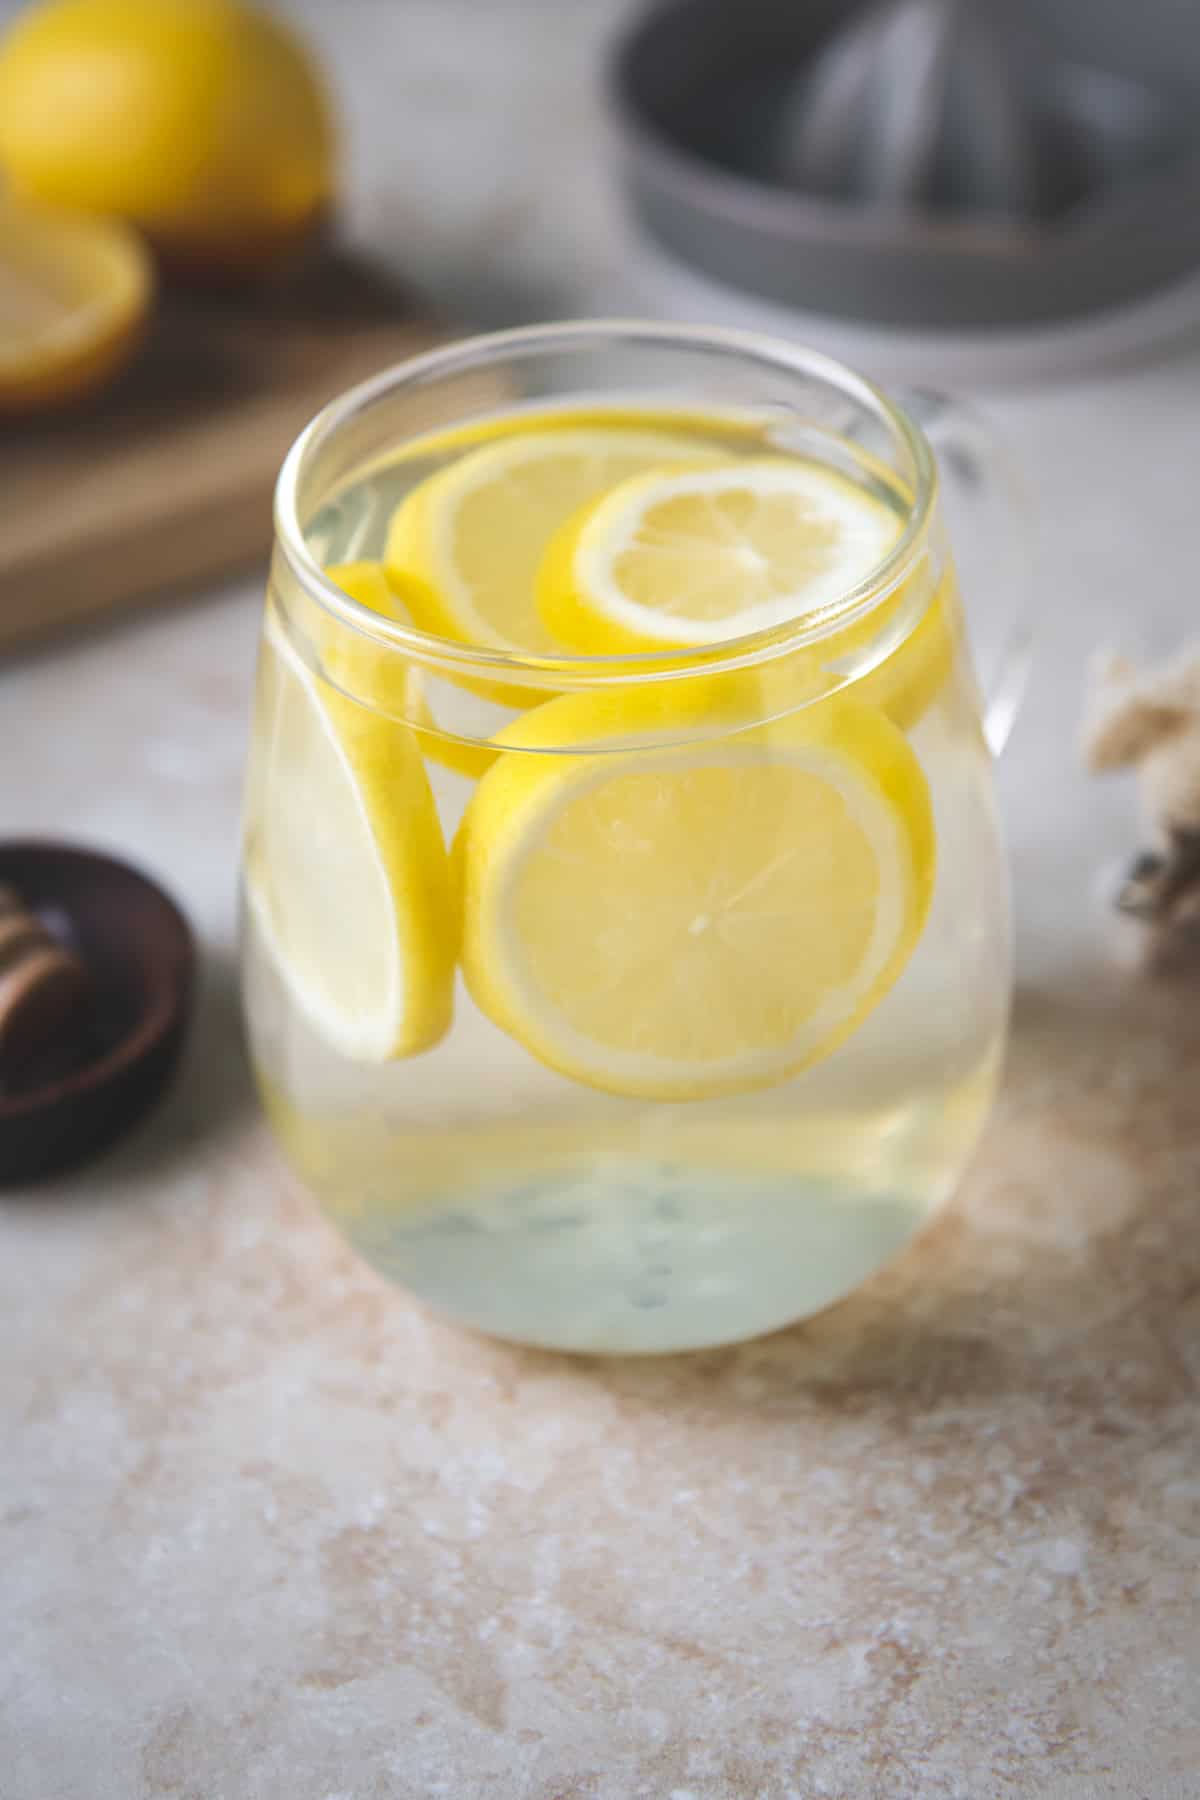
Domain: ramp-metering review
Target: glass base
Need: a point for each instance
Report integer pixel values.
(616, 1254)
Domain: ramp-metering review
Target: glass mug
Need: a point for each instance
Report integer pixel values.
(646, 988)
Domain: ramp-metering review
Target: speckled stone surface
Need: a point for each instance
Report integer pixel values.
(269, 1532)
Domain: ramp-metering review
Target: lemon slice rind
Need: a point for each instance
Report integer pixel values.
(726, 550)
(852, 751)
(383, 678)
(382, 987)
(424, 559)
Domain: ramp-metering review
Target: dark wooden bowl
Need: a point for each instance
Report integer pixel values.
(138, 947)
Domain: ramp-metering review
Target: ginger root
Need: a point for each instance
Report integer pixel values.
(1149, 720)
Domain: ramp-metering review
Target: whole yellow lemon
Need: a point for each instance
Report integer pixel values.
(202, 121)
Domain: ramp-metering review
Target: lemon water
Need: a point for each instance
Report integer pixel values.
(528, 1191)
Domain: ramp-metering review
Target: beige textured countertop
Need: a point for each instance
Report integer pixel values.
(269, 1532)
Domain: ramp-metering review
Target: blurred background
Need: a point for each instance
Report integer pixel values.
(472, 155)
(956, 193)
(268, 218)
(477, 148)
(210, 225)
(947, 164)
(474, 146)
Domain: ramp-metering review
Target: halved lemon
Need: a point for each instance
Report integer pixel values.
(686, 919)
(347, 872)
(465, 546)
(696, 556)
(205, 123)
(74, 293)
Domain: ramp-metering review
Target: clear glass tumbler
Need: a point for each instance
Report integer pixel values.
(648, 993)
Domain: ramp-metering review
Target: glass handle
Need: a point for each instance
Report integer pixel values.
(990, 521)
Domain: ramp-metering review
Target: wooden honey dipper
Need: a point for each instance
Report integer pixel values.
(43, 985)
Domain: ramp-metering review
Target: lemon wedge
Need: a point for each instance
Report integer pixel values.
(696, 556)
(464, 547)
(687, 919)
(74, 292)
(347, 874)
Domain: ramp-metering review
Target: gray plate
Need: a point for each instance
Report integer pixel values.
(700, 88)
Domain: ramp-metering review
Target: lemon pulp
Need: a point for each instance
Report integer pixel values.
(465, 546)
(694, 556)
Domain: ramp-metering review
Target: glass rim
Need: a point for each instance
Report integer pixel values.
(470, 354)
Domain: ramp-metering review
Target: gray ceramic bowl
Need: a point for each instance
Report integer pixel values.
(698, 86)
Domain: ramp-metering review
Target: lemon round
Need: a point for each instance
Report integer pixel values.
(685, 557)
(691, 558)
(74, 294)
(906, 683)
(465, 546)
(384, 679)
(699, 918)
(346, 870)
(204, 122)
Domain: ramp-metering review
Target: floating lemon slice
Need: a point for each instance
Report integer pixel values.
(696, 556)
(689, 558)
(387, 680)
(698, 918)
(347, 874)
(74, 292)
(906, 683)
(465, 546)
(903, 684)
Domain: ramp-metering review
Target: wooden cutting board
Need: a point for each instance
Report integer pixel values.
(166, 481)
